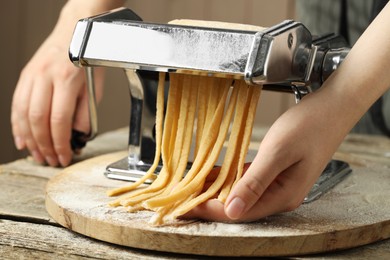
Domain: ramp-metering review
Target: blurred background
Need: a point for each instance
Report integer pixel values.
(26, 23)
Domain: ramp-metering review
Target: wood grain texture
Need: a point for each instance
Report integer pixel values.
(26, 233)
(23, 196)
(356, 212)
(18, 239)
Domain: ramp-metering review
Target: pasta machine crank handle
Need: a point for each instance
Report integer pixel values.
(287, 58)
(78, 138)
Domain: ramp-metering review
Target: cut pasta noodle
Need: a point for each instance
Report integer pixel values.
(205, 108)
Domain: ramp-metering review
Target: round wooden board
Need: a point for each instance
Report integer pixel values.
(355, 212)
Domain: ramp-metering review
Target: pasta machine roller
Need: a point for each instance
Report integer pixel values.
(285, 57)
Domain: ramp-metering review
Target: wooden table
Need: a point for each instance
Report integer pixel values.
(27, 231)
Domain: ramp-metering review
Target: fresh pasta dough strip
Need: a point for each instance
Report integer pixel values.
(229, 156)
(171, 195)
(160, 216)
(183, 142)
(229, 179)
(135, 200)
(206, 114)
(212, 132)
(132, 209)
(181, 133)
(157, 184)
(203, 96)
(208, 142)
(164, 214)
(163, 176)
(161, 213)
(255, 96)
(237, 151)
(190, 108)
(182, 151)
(159, 123)
(172, 118)
(213, 102)
(201, 175)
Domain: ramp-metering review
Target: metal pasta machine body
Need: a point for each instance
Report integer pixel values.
(284, 57)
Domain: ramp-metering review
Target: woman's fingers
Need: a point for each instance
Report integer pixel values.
(39, 118)
(43, 108)
(285, 193)
(17, 108)
(21, 127)
(70, 87)
(81, 114)
(211, 210)
(253, 184)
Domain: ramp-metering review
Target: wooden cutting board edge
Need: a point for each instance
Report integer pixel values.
(153, 239)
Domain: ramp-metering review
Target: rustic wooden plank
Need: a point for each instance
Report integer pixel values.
(33, 241)
(367, 148)
(20, 240)
(23, 196)
(22, 185)
(356, 212)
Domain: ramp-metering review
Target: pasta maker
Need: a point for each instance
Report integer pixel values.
(285, 58)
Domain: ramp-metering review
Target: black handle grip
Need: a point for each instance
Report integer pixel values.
(78, 140)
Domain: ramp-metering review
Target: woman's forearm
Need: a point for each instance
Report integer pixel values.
(361, 79)
(365, 74)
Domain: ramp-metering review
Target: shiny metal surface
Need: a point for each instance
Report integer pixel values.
(331, 51)
(123, 170)
(332, 60)
(92, 106)
(79, 138)
(281, 58)
(137, 45)
(281, 55)
(136, 111)
(335, 172)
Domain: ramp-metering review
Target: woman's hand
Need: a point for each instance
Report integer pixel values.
(289, 161)
(302, 141)
(50, 98)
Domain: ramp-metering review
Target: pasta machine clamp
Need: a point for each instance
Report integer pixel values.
(285, 58)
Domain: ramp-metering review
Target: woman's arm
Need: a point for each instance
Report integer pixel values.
(302, 141)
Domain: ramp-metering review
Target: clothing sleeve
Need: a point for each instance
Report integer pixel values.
(324, 16)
